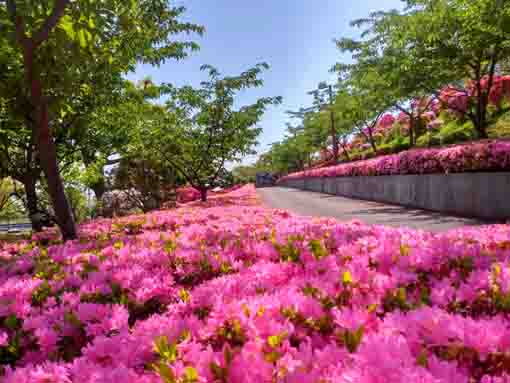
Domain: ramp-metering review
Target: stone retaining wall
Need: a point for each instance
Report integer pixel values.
(480, 195)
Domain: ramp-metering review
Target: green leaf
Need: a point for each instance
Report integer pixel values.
(317, 249)
(71, 318)
(165, 372)
(352, 340)
(402, 295)
(190, 375)
(228, 355)
(12, 322)
(422, 359)
(219, 373)
(84, 37)
(167, 351)
(358, 335)
(67, 25)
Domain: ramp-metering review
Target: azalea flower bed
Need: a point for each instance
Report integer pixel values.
(478, 156)
(187, 194)
(231, 291)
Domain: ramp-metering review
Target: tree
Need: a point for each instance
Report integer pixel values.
(345, 123)
(364, 103)
(146, 181)
(465, 46)
(244, 174)
(293, 153)
(471, 39)
(205, 130)
(18, 157)
(324, 100)
(104, 135)
(318, 130)
(108, 36)
(397, 69)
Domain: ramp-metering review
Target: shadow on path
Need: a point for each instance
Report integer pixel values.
(346, 209)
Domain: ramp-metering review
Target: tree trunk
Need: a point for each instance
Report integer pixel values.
(411, 131)
(29, 183)
(203, 195)
(372, 141)
(99, 193)
(482, 100)
(46, 149)
(481, 116)
(483, 95)
(346, 152)
(48, 158)
(334, 137)
(99, 189)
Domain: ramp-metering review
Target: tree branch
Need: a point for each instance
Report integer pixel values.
(178, 167)
(492, 71)
(429, 104)
(403, 110)
(18, 23)
(50, 23)
(213, 179)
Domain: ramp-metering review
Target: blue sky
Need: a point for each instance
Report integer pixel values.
(294, 36)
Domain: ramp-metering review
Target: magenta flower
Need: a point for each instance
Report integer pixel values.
(234, 291)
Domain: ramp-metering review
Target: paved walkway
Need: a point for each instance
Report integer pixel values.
(346, 209)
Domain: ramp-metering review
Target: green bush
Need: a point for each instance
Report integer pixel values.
(428, 139)
(454, 132)
(501, 128)
(392, 134)
(398, 144)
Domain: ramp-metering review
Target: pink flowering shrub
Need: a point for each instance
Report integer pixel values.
(386, 121)
(227, 190)
(455, 100)
(187, 194)
(459, 100)
(478, 156)
(231, 291)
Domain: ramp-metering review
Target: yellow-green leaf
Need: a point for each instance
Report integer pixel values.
(190, 374)
(166, 373)
(184, 295)
(273, 341)
(347, 278)
(66, 24)
(84, 37)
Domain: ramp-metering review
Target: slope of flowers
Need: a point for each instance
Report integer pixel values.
(231, 291)
(478, 156)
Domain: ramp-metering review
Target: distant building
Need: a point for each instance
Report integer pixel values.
(265, 179)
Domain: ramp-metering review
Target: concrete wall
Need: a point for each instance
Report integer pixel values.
(481, 195)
